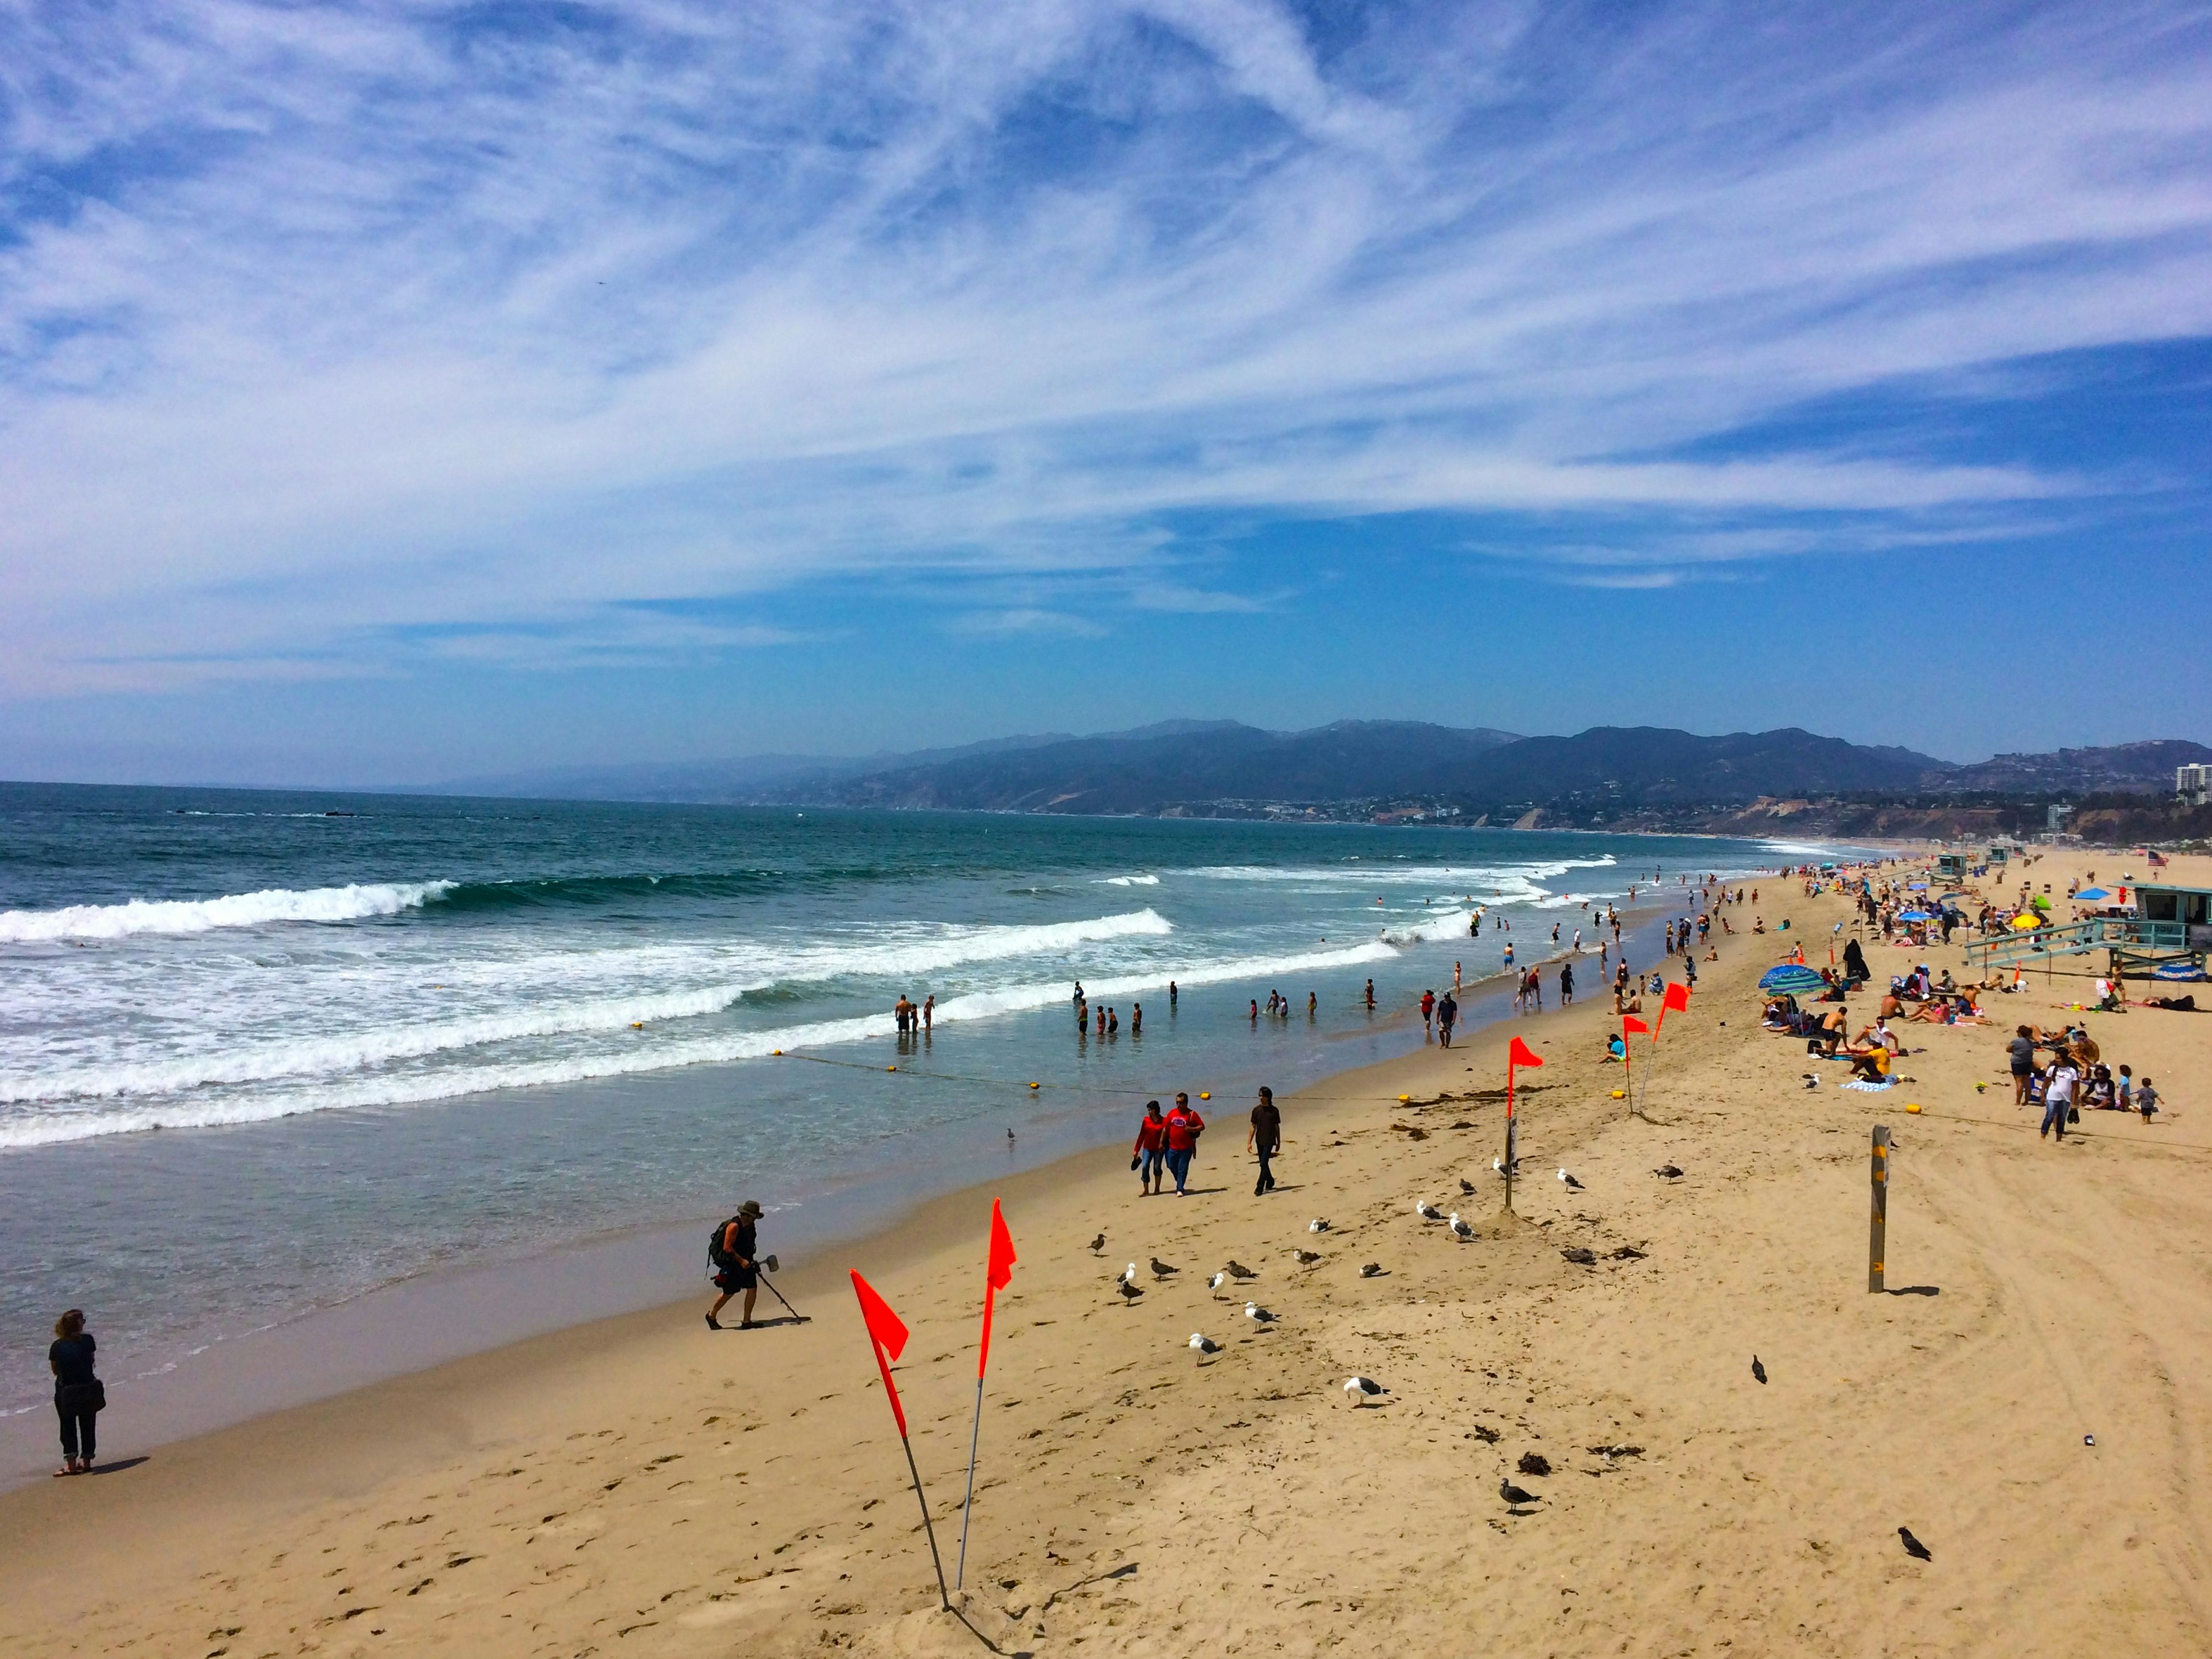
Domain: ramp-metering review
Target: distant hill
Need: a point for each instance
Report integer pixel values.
(1607, 775)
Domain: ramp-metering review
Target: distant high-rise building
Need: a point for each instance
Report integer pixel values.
(2193, 784)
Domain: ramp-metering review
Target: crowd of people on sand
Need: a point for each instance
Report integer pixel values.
(2075, 1080)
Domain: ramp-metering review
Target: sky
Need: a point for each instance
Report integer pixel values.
(397, 390)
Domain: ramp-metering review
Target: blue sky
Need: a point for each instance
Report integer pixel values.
(395, 390)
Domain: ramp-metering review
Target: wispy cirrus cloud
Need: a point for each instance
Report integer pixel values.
(324, 323)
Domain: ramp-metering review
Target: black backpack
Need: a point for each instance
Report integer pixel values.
(714, 1244)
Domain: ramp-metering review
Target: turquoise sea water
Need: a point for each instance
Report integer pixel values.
(256, 1057)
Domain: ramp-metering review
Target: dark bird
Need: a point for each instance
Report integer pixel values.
(1370, 1270)
(1465, 1185)
(1668, 1172)
(1758, 1369)
(1161, 1270)
(1098, 1244)
(1628, 1253)
(1238, 1270)
(1308, 1257)
(1129, 1293)
(1514, 1497)
(1913, 1547)
(1570, 1181)
(1581, 1257)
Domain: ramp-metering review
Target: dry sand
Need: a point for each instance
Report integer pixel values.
(645, 1486)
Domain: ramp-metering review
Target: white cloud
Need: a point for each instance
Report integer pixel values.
(318, 324)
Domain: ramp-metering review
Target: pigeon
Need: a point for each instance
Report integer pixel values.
(1427, 1211)
(1215, 1283)
(1570, 1181)
(1317, 1225)
(1514, 1497)
(1913, 1547)
(1161, 1270)
(1465, 1186)
(1307, 1257)
(1238, 1270)
(1362, 1389)
(1129, 1274)
(1129, 1293)
(1460, 1229)
(1668, 1172)
(1258, 1315)
(1758, 1369)
(1370, 1270)
(1581, 1257)
(1097, 1244)
(1204, 1344)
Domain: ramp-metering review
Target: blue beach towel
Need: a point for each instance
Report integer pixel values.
(1873, 1088)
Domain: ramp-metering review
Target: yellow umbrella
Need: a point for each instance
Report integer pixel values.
(2025, 923)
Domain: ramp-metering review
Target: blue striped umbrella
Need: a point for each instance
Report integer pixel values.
(1790, 980)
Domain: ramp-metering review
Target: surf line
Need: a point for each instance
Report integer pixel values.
(1071, 1088)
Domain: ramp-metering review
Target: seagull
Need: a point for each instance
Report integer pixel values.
(1570, 1181)
(1097, 1244)
(1307, 1257)
(1258, 1315)
(1317, 1225)
(1465, 1186)
(1581, 1257)
(1628, 1253)
(1514, 1497)
(1370, 1270)
(1363, 1388)
(1668, 1172)
(1427, 1211)
(1129, 1274)
(1758, 1369)
(1161, 1270)
(1238, 1270)
(1913, 1547)
(1129, 1292)
(1204, 1344)
(1215, 1283)
(1460, 1229)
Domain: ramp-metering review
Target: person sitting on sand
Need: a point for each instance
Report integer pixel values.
(1871, 1066)
(1616, 1050)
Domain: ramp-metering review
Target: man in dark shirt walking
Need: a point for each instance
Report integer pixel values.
(735, 1268)
(1265, 1139)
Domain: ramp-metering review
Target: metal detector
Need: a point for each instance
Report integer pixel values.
(771, 1264)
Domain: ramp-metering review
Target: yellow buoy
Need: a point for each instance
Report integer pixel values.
(1620, 1094)
(890, 1068)
(1911, 1107)
(1205, 1095)
(1402, 1099)
(778, 1053)
(637, 1025)
(1036, 1085)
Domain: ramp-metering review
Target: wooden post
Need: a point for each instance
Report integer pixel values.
(1877, 1233)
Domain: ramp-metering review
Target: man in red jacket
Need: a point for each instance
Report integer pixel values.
(1184, 1126)
(1149, 1156)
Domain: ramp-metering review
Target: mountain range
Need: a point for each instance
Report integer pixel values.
(1222, 768)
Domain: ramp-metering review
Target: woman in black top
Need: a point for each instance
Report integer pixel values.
(77, 1393)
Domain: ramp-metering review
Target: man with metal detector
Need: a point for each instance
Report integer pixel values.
(731, 1250)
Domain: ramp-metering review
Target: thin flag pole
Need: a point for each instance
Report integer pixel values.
(997, 1271)
(887, 1336)
(944, 1596)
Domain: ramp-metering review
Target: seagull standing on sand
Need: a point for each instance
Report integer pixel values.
(1427, 1211)
(1466, 1187)
(1238, 1270)
(1307, 1258)
(1668, 1172)
(1913, 1547)
(1317, 1225)
(1570, 1181)
(1129, 1274)
(1258, 1315)
(1758, 1369)
(1370, 1270)
(1129, 1293)
(1098, 1244)
(1204, 1344)
(1460, 1229)
(1215, 1283)
(1362, 1389)
(1514, 1496)
(1161, 1270)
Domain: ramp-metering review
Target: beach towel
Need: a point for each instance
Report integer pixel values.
(1873, 1088)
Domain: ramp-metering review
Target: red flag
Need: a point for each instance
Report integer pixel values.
(887, 1334)
(1630, 1025)
(998, 1273)
(1676, 999)
(1520, 1054)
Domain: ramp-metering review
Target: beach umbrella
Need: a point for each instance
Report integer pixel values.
(2021, 924)
(2091, 895)
(2039, 902)
(1915, 886)
(1790, 980)
(1915, 915)
(2178, 970)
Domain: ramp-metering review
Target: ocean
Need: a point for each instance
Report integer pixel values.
(262, 1052)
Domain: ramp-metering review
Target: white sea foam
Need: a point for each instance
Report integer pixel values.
(353, 902)
(339, 1054)
(1129, 881)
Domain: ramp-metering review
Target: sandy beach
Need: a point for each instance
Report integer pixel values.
(642, 1485)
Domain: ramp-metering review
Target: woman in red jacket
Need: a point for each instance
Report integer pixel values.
(1184, 1126)
(1148, 1156)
